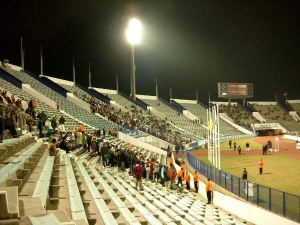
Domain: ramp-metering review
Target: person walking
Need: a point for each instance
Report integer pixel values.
(261, 166)
(196, 181)
(209, 191)
(245, 176)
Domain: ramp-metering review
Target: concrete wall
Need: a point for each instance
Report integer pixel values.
(263, 103)
(140, 143)
(189, 115)
(14, 67)
(27, 88)
(146, 97)
(185, 101)
(105, 91)
(59, 81)
(156, 113)
(77, 101)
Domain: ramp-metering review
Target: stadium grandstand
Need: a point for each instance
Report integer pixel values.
(90, 175)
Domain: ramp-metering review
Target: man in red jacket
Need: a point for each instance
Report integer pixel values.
(138, 172)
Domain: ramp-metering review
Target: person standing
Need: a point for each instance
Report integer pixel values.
(187, 179)
(57, 105)
(196, 181)
(62, 120)
(209, 190)
(239, 149)
(247, 147)
(245, 176)
(179, 177)
(183, 167)
(234, 146)
(54, 123)
(138, 172)
(167, 177)
(261, 166)
(172, 175)
(230, 143)
(3, 109)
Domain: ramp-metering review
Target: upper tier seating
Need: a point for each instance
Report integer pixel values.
(67, 106)
(177, 118)
(70, 123)
(273, 113)
(225, 128)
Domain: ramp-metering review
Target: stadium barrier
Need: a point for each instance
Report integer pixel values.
(283, 203)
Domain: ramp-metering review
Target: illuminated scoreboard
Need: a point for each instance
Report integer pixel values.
(235, 90)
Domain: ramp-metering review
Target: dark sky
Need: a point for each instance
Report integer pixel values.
(186, 45)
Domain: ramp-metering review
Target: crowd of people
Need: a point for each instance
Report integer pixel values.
(135, 119)
(240, 115)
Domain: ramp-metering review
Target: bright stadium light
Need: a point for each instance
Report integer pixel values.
(133, 35)
(134, 31)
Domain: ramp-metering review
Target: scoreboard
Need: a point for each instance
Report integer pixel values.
(235, 90)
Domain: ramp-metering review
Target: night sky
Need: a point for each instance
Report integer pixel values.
(186, 45)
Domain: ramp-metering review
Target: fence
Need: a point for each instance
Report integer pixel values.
(285, 204)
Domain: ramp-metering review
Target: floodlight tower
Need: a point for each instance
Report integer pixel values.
(133, 35)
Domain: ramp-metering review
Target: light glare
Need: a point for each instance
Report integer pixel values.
(134, 31)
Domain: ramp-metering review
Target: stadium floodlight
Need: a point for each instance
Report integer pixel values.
(134, 31)
(133, 35)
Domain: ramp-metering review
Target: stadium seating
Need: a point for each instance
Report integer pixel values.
(70, 123)
(274, 113)
(199, 111)
(70, 108)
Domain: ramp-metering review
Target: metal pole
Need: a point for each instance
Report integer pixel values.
(133, 73)
(73, 72)
(156, 87)
(197, 97)
(42, 66)
(90, 76)
(117, 83)
(22, 54)
(170, 94)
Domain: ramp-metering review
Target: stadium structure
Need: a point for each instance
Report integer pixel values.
(74, 188)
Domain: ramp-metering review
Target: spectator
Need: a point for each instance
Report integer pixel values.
(52, 148)
(2, 118)
(138, 170)
(62, 120)
(57, 105)
(54, 123)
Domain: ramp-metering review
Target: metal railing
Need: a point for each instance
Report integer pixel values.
(283, 203)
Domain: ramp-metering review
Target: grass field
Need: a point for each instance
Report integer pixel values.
(280, 171)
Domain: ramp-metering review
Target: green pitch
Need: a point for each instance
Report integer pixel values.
(280, 171)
